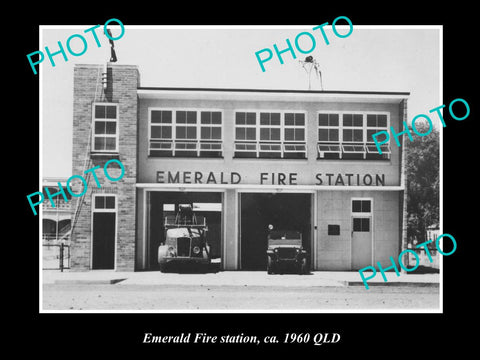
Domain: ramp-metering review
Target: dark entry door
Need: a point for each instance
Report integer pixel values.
(103, 242)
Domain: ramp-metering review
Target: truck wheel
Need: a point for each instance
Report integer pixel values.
(269, 265)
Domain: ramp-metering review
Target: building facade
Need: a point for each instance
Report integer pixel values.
(245, 159)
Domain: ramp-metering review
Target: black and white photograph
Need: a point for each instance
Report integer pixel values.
(266, 185)
(277, 169)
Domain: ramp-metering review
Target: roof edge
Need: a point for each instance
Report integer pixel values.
(345, 92)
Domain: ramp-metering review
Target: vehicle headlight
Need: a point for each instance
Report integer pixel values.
(171, 250)
(196, 250)
(276, 250)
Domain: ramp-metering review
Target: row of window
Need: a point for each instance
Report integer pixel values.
(258, 134)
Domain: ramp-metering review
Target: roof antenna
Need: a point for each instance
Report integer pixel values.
(308, 65)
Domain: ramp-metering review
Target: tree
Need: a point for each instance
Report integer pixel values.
(422, 171)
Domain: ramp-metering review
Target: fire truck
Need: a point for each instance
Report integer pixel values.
(185, 240)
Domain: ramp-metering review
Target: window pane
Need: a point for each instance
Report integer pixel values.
(191, 117)
(382, 121)
(371, 120)
(366, 224)
(366, 206)
(164, 117)
(110, 143)
(216, 117)
(333, 119)
(251, 118)
(181, 132)
(109, 202)
(251, 134)
(289, 135)
(111, 127)
(358, 120)
(216, 133)
(161, 132)
(357, 224)
(205, 117)
(156, 116)
(156, 132)
(264, 119)
(166, 132)
(211, 133)
(240, 133)
(347, 120)
(323, 134)
(358, 135)
(208, 117)
(240, 118)
(275, 134)
(205, 133)
(99, 127)
(333, 135)
(111, 112)
(292, 119)
(100, 112)
(264, 134)
(167, 117)
(299, 134)
(191, 132)
(347, 135)
(369, 135)
(289, 119)
(181, 117)
(99, 143)
(99, 202)
(356, 206)
(269, 134)
(322, 119)
(104, 143)
(300, 119)
(275, 119)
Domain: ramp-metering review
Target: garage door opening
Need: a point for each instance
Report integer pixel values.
(283, 211)
(161, 204)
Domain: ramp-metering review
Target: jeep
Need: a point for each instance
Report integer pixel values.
(284, 251)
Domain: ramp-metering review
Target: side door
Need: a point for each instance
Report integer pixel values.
(103, 232)
(362, 239)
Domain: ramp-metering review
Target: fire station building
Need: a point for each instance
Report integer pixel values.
(243, 158)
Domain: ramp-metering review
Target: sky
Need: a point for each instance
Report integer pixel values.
(372, 58)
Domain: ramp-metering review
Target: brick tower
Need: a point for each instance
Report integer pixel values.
(104, 128)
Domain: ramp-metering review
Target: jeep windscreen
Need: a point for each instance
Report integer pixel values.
(284, 234)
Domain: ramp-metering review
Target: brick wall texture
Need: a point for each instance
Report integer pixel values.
(122, 89)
